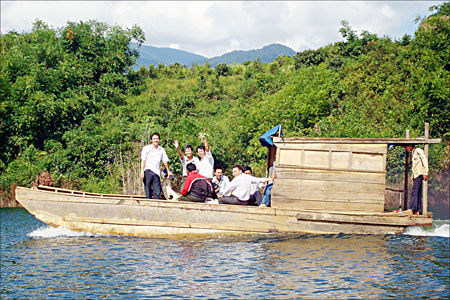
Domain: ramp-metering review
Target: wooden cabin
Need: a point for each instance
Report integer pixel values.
(333, 174)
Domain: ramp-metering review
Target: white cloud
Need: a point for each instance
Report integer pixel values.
(216, 27)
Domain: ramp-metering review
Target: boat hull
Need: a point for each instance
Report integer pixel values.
(136, 216)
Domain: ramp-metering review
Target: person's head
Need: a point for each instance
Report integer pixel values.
(201, 151)
(218, 173)
(189, 151)
(191, 167)
(155, 139)
(237, 170)
(409, 148)
(248, 170)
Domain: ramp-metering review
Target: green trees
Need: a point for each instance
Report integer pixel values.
(71, 104)
(431, 72)
(52, 79)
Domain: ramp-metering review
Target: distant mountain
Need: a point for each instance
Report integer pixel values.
(266, 54)
(150, 55)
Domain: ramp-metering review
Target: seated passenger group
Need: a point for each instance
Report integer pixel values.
(199, 183)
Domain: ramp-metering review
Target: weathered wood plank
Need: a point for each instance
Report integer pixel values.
(325, 175)
(328, 169)
(318, 195)
(340, 160)
(388, 220)
(282, 202)
(368, 162)
(316, 159)
(329, 186)
(291, 157)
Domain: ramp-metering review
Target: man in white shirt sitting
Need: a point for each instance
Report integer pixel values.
(220, 182)
(239, 187)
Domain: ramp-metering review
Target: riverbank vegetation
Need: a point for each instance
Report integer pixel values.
(72, 104)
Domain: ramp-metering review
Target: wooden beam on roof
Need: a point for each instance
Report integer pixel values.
(393, 141)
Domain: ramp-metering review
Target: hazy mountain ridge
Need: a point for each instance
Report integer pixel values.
(267, 54)
(150, 55)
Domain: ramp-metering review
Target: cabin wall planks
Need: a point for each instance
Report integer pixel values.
(330, 176)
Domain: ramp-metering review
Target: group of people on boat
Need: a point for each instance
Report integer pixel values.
(201, 182)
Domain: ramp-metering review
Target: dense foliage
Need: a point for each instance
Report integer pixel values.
(72, 105)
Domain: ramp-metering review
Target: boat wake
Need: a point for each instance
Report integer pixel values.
(440, 228)
(51, 232)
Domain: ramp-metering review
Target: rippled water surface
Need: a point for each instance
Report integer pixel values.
(40, 262)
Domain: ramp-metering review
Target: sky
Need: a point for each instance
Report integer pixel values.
(212, 28)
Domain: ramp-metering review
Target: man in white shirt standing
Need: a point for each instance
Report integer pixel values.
(206, 160)
(151, 157)
(186, 159)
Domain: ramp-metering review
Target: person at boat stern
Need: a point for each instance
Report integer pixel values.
(197, 187)
(151, 157)
(419, 174)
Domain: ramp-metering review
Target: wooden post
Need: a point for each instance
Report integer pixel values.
(405, 197)
(425, 182)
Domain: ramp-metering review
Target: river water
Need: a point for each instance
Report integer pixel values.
(40, 262)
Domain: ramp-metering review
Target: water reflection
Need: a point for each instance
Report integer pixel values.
(241, 267)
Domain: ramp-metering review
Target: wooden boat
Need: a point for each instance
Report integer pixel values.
(326, 186)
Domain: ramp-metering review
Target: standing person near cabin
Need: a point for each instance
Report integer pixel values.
(197, 187)
(151, 157)
(186, 159)
(206, 160)
(419, 173)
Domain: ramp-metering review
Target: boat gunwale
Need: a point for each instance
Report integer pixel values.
(217, 207)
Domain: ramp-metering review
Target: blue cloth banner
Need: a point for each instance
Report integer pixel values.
(266, 138)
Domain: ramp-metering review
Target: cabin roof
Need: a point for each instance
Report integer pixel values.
(391, 141)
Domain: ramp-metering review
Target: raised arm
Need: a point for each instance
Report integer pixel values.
(206, 144)
(177, 146)
(205, 141)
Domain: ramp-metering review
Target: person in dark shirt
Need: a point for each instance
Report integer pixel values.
(197, 187)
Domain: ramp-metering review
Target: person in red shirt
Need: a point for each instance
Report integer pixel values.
(197, 187)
